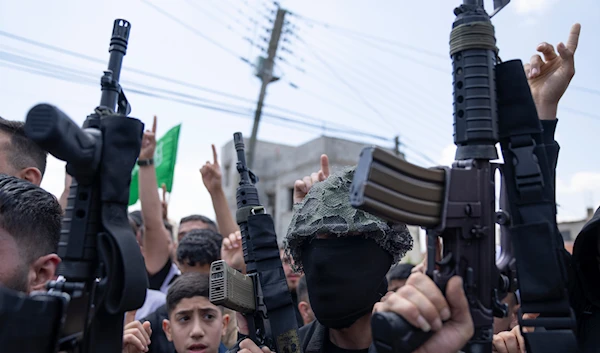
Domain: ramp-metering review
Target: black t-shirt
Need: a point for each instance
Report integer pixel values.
(332, 348)
(159, 342)
(584, 285)
(156, 280)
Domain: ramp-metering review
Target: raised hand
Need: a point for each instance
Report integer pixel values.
(211, 173)
(136, 336)
(148, 143)
(549, 77)
(232, 252)
(302, 187)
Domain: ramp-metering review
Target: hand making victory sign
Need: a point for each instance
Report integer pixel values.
(148, 142)
(550, 77)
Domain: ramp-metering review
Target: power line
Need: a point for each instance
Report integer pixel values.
(369, 36)
(22, 65)
(137, 71)
(84, 74)
(168, 79)
(586, 90)
(372, 64)
(579, 112)
(358, 94)
(213, 4)
(383, 89)
(215, 18)
(195, 31)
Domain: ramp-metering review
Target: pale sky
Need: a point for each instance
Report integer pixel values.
(407, 84)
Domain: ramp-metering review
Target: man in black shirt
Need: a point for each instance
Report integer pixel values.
(345, 255)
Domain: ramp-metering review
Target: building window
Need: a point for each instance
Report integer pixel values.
(566, 235)
(226, 171)
(271, 204)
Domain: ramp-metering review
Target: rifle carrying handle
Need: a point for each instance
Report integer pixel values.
(393, 334)
(55, 132)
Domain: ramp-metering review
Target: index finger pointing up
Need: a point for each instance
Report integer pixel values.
(215, 158)
(154, 125)
(325, 165)
(573, 40)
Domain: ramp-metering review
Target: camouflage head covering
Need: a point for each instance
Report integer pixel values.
(326, 209)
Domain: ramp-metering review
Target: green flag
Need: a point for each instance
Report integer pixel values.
(165, 157)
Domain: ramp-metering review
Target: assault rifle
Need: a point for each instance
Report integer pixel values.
(262, 294)
(102, 273)
(492, 103)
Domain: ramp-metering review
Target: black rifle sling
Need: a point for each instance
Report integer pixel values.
(123, 262)
(535, 237)
(276, 295)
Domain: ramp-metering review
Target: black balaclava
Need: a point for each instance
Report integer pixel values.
(345, 278)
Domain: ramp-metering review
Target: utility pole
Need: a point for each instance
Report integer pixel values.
(397, 145)
(266, 75)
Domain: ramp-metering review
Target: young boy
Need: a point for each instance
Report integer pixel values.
(195, 325)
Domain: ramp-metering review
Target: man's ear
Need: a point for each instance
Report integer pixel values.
(304, 308)
(166, 326)
(226, 319)
(42, 270)
(31, 174)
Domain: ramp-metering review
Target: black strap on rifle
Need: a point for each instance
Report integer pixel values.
(120, 253)
(276, 295)
(535, 237)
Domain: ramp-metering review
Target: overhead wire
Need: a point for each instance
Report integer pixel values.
(133, 70)
(586, 90)
(215, 18)
(195, 31)
(375, 65)
(378, 88)
(340, 29)
(382, 89)
(166, 79)
(232, 17)
(29, 65)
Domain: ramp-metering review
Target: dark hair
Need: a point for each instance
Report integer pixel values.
(302, 290)
(31, 215)
(169, 228)
(136, 216)
(199, 246)
(399, 272)
(188, 285)
(23, 152)
(196, 217)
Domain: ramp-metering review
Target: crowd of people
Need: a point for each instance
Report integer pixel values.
(338, 271)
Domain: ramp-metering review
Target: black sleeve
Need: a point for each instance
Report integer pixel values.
(156, 280)
(552, 149)
(159, 342)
